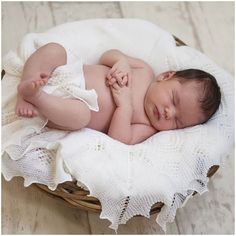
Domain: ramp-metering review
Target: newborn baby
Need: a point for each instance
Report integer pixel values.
(133, 103)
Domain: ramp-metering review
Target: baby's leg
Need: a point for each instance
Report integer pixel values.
(52, 125)
(24, 108)
(71, 114)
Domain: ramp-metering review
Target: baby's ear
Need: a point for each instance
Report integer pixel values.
(165, 76)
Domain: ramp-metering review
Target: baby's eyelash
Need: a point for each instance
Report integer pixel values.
(173, 99)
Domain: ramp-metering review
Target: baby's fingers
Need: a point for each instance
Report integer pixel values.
(119, 78)
(112, 71)
(116, 86)
(111, 81)
(108, 76)
(125, 80)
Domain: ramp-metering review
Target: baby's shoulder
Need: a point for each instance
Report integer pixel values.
(146, 68)
(144, 74)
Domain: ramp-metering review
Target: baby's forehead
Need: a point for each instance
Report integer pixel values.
(189, 93)
(185, 81)
(189, 107)
(191, 85)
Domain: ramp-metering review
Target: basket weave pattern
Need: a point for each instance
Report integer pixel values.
(77, 197)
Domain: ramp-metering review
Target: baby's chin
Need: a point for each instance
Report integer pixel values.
(161, 127)
(154, 125)
(153, 122)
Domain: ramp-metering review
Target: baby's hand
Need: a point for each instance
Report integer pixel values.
(120, 73)
(122, 95)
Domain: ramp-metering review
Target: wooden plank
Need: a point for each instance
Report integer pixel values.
(215, 30)
(12, 18)
(31, 211)
(73, 11)
(136, 225)
(38, 16)
(199, 24)
(20, 18)
(170, 16)
(188, 21)
(213, 212)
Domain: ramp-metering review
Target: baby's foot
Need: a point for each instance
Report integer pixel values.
(25, 109)
(31, 89)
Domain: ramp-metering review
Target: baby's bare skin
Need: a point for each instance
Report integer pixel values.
(133, 103)
(121, 112)
(95, 77)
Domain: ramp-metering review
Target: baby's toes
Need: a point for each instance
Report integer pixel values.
(23, 112)
(20, 111)
(36, 83)
(17, 111)
(42, 82)
(45, 80)
(34, 113)
(26, 112)
(33, 84)
(29, 113)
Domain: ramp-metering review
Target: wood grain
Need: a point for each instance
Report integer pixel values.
(207, 26)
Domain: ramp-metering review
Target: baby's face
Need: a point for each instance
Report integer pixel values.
(172, 105)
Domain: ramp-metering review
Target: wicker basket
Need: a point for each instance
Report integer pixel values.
(74, 196)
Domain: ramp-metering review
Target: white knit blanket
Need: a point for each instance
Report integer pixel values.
(127, 180)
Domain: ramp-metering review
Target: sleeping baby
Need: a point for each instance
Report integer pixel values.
(133, 103)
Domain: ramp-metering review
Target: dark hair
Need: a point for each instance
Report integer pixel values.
(211, 95)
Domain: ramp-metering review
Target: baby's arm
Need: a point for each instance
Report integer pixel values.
(121, 66)
(121, 127)
(110, 57)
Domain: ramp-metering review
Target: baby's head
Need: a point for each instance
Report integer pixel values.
(181, 99)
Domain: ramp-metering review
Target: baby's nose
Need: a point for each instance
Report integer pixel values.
(169, 113)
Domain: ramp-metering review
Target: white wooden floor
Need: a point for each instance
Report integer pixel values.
(207, 26)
